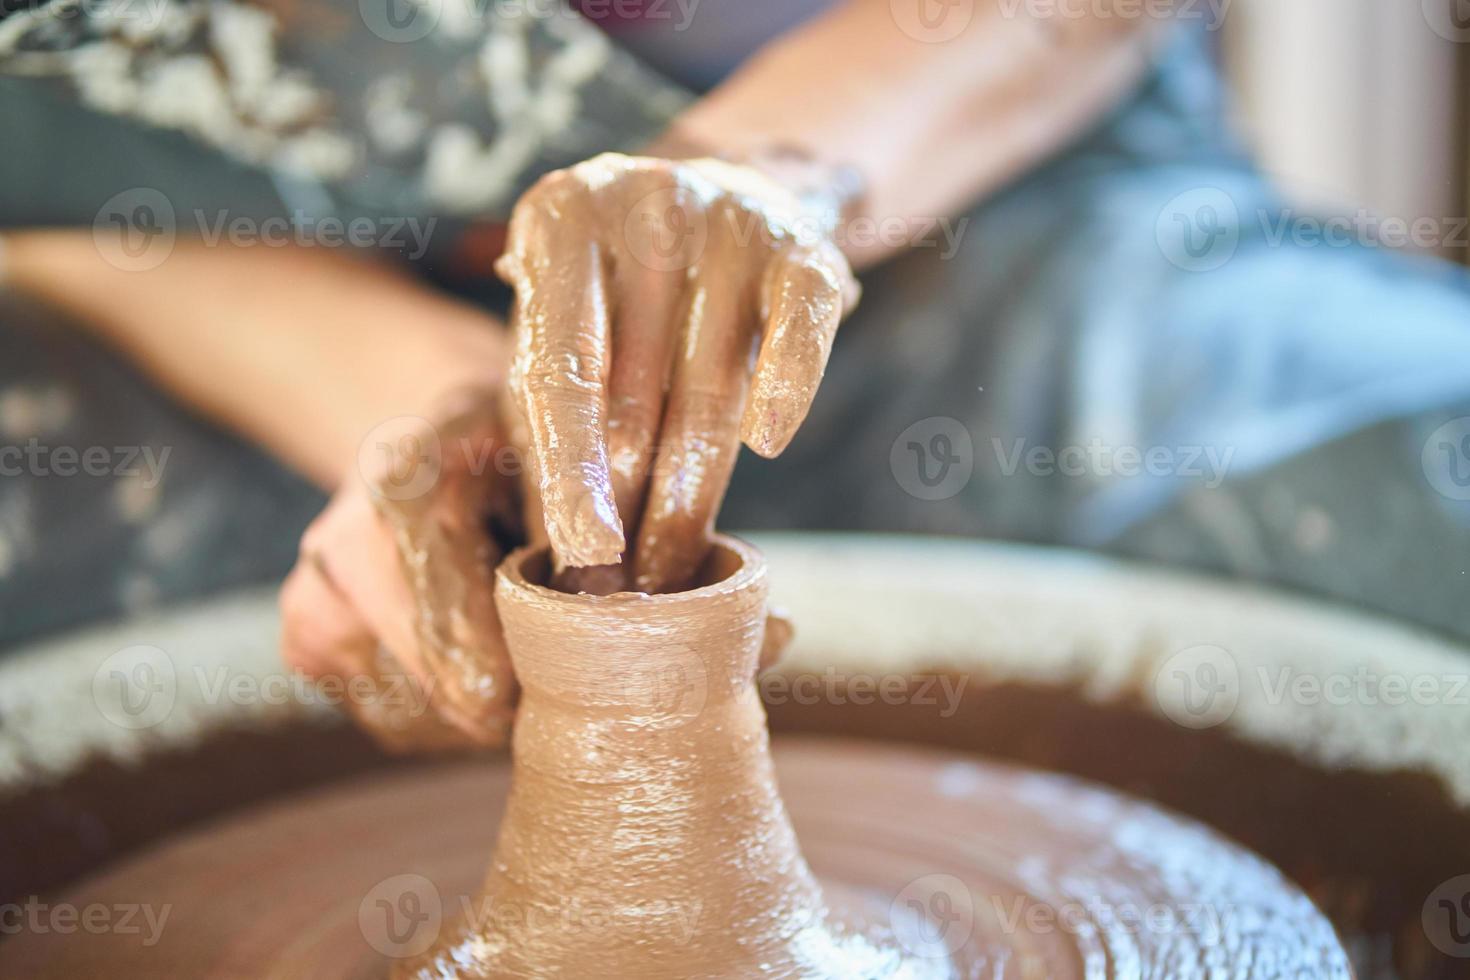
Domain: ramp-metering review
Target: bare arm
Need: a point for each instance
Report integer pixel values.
(299, 349)
(930, 122)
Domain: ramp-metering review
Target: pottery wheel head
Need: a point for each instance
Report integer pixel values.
(972, 869)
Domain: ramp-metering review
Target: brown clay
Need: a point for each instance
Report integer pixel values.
(643, 783)
(665, 312)
(997, 868)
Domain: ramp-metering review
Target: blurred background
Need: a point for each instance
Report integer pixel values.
(1353, 103)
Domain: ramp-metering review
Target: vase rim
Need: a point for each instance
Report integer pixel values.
(511, 574)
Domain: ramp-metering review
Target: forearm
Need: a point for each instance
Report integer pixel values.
(300, 350)
(930, 127)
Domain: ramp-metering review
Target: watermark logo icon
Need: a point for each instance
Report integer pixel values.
(136, 687)
(401, 21)
(933, 459)
(1450, 19)
(932, 21)
(1446, 459)
(135, 230)
(402, 458)
(1198, 687)
(1446, 917)
(401, 916)
(1199, 230)
(671, 692)
(663, 233)
(933, 916)
(142, 17)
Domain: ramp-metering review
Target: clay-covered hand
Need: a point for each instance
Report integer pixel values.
(393, 593)
(665, 312)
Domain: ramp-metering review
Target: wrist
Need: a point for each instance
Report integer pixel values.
(832, 192)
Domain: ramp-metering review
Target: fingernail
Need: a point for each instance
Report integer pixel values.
(769, 425)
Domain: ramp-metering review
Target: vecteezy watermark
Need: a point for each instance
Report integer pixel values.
(666, 230)
(405, 21)
(589, 921)
(138, 686)
(933, 916)
(1201, 686)
(409, 234)
(223, 684)
(1211, 12)
(896, 232)
(401, 916)
(933, 459)
(1362, 685)
(404, 458)
(1362, 228)
(1446, 459)
(1208, 464)
(1198, 687)
(678, 13)
(138, 16)
(137, 229)
(1200, 230)
(941, 692)
(95, 918)
(1450, 19)
(38, 459)
(932, 21)
(670, 691)
(1205, 923)
(1446, 917)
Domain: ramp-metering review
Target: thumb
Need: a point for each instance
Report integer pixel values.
(779, 633)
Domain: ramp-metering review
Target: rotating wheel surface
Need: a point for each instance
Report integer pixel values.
(1006, 873)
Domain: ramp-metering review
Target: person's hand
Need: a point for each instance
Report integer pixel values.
(665, 312)
(393, 594)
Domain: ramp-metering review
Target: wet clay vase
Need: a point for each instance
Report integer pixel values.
(644, 835)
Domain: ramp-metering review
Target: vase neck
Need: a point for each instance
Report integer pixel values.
(634, 654)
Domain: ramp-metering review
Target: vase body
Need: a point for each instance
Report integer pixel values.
(644, 835)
